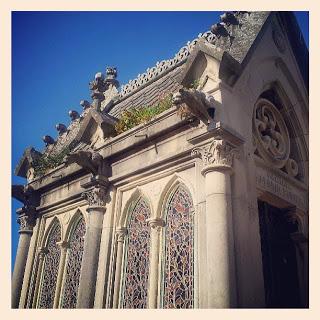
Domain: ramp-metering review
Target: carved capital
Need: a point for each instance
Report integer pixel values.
(27, 220)
(42, 252)
(156, 223)
(97, 196)
(121, 234)
(219, 153)
(64, 245)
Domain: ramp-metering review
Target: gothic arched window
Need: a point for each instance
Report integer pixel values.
(50, 268)
(178, 271)
(73, 267)
(136, 273)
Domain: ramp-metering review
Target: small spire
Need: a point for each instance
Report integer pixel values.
(74, 115)
(48, 140)
(61, 128)
(85, 104)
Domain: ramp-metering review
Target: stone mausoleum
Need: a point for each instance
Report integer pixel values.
(185, 188)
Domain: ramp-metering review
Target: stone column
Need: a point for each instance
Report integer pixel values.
(120, 234)
(41, 256)
(221, 283)
(64, 245)
(156, 225)
(27, 222)
(96, 197)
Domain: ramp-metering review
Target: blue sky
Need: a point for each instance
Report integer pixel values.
(56, 54)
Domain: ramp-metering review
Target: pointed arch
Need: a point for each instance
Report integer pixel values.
(178, 242)
(75, 239)
(171, 185)
(136, 263)
(49, 272)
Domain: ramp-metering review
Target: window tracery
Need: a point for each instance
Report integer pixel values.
(50, 269)
(137, 257)
(178, 256)
(73, 265)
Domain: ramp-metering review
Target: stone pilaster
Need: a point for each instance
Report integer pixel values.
(26, 220)
(217, 160)
(96, 197)
(120, 236)
(156, 225)
(64, 245)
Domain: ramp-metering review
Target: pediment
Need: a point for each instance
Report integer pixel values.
(30, 155)
(95, 126)
(209, 65)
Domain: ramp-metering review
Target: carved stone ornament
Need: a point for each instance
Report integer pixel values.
(121, 234)
(156, 223)
(218, 153)
(97, 196)
(27, 223)
(272, 137)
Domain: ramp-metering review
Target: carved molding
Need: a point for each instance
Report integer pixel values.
(219, 153)
(271, 137)
(121, 234)
(156, 223)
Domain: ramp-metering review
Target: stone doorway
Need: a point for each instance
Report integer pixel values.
(279, 259)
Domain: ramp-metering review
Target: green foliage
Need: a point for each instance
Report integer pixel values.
(135, 116)
(46, 162)
(194, 84)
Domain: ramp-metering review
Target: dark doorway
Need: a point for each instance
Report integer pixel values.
(279, 258)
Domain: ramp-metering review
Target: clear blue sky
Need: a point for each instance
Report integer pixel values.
(56, 54)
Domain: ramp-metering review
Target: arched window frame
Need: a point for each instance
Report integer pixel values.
(51, 228)
(170, 193)
(129, 210)
(77, 217)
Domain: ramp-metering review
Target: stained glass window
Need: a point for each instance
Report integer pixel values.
(178, 258)
(50, 269)
(137, 258)
(73, 266)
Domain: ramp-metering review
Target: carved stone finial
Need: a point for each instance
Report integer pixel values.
(218, 154)
(48, 140)
(219, 30)
(200, 104)
(74, 115)
(61, 128)
(85, 104)
(111, 73)
(229, 18)
(98, 87)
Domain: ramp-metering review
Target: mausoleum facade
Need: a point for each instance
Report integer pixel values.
(185, 188)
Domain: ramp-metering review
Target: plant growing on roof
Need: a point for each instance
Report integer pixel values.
(135, 116)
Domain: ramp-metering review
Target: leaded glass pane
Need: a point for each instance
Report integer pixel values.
(50, 269)
(73, 268)
(178, 269)
(137, 262)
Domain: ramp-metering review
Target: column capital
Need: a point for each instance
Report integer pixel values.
(27, 221)
(216, 156)
(121, 233)
(42, 252)
(63, 244)
(156, 223)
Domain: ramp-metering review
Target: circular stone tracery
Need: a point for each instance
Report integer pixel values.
(271, 134)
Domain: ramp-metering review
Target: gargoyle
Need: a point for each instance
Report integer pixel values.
(198, 102)
(89, 160)
(24, 194)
